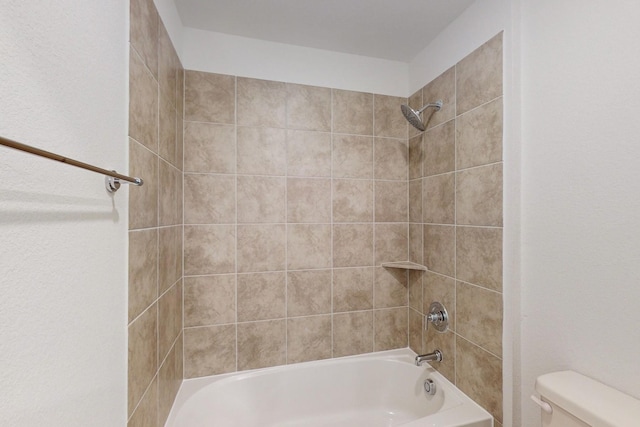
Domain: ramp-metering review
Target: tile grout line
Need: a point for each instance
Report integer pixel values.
(332, 225)
(286, 231)
(375, 221)
(455, 216)
(235, 169)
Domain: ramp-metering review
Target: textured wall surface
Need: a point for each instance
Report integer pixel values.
(580, 193)
(155, 218)
(63, 237)
(455, 222)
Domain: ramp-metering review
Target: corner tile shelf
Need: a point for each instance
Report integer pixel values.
(407, 265)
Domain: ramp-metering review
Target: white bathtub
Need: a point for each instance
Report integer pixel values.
(382, 389)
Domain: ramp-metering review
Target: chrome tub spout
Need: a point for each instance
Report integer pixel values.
(436, 356)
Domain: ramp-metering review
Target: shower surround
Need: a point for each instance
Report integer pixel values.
(156, 91)
(293, 197)
(455, 223)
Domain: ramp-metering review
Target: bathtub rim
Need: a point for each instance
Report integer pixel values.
(467, 407)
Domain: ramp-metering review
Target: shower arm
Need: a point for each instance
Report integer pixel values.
(437, 105)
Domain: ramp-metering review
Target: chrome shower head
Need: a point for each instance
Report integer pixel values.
(413, 116)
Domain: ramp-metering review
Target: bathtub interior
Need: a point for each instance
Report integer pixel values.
(382, 389)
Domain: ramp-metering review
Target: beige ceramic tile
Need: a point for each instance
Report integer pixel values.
(415, 200)
(415, 290)
(143, 356)
(308, 246)
(479, 256)
(261, 248)
(388, 119)
(439, 248)
(308, 107)
(261, 344)
(445, 342)
(209, 350)
(352, 156)
(416, 156)
(180, 145)
(169, 319)
(352, 289)
(143, 27)
(442, 289)
(308, 153)
(352, 245)
(169, 257)
(170, 378)
(352, 112)
(209, 249)
(440, 88)
(391, 243)
(170, 196)
(143, 104)
(352, 333)
(209, 148)
(352, 200)
(416, 246)
(391, 288)
(308, 292)
(261, 103)
(479, 136)
(143, 270)
(479, 196)
(180, 89)
(209, 97)
(308, 200)
(415, 331)
(168, 132)
(168, 67)
(479, 75)
(479, 375)
(391, 159)
(261, 199)
(391, 204)
(209, 199)
(308, 338)
(261, 296)
(438, 199)
(209, 300)
(479, 316)
(262, 151)
(180, 118)
(146, 414)
(390, 328)
(439, 149)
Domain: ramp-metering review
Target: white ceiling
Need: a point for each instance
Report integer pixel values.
(391, 29)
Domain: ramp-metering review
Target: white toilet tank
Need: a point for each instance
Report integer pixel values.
(579, 401)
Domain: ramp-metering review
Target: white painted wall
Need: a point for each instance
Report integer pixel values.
(245, 57)
(63, 250)
(581, 193)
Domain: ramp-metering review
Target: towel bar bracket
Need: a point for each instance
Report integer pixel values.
(113, 184)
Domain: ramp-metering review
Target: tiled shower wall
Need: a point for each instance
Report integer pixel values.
(155, 358)
(455, 214)
(293, 196)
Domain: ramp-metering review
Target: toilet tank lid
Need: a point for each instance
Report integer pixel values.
(594, 403)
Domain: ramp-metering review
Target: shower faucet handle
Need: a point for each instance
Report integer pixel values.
(438, 316)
